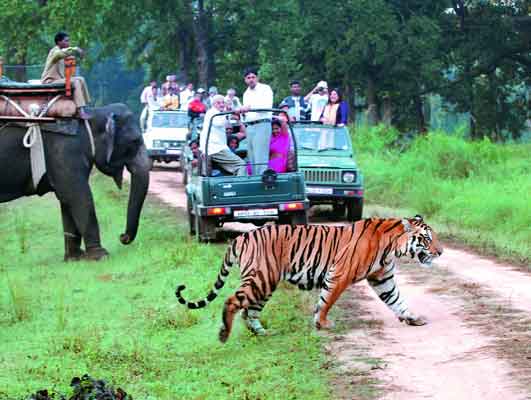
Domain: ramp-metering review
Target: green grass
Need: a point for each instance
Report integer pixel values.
(119, 320)
(476, 192)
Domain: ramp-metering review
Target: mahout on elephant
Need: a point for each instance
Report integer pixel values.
(115, 143)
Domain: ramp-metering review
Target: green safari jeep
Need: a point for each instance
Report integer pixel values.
(215, 198)
(326, 157)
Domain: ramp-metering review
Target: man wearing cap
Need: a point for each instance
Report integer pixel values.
(216, 147)
(257, 95)
(317, 99)
(296, 103)
(171, 82)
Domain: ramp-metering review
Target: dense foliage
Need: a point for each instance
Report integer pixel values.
(476, 191)
(387, 55)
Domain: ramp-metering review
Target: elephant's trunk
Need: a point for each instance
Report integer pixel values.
(139, 169)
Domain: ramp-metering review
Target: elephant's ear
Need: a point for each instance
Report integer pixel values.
(110, 133)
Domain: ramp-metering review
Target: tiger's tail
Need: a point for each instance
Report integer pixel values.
(231, 256)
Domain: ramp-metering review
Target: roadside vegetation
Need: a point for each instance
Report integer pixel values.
(473, 191)
(119, 320)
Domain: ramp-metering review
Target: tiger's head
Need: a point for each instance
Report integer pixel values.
(423, 244)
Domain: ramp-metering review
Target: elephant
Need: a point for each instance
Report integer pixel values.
(118, 143)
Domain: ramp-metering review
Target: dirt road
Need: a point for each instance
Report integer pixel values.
(476, 346)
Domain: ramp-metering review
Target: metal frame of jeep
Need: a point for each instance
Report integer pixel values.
(331, 175)
(215, 200)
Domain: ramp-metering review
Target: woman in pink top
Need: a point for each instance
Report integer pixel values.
(279, 147)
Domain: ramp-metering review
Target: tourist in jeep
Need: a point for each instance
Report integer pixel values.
(217, 147)
(296, 103)
(336, 110)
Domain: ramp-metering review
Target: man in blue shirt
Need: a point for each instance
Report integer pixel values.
(296, 103)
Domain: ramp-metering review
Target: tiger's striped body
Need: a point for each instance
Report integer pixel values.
(329, 258)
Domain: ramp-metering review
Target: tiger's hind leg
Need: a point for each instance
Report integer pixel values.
(387, 290)
(328, 296)
(232, 306)
(235, 303)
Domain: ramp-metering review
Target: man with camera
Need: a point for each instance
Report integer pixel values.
(317, 99)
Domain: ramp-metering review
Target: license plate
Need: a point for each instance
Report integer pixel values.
(319, 190)
(173, 151)
(256, 212)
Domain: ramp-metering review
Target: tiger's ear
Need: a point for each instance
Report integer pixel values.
(407, 225)
(419, 218)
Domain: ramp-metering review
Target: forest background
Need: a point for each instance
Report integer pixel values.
(393, 59)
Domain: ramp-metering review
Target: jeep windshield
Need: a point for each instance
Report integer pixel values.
(169, 120)
(321, 138)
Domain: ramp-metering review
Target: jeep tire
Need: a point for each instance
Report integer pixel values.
(338, 210)
(205, 228)
(354, 209)
(294, 218)
(191, 217)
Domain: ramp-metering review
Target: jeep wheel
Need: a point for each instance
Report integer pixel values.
(205, 228)
(338, 210)
(191, 217)
(354, 210)
(294, 218)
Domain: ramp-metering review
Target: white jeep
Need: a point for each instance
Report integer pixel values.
(165, 135)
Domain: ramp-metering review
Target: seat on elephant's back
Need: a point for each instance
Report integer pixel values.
(14, 95)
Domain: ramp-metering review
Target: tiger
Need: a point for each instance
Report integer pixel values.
(328, 258)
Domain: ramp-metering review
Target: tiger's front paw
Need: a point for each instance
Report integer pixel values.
(326, 324)
(414, 320)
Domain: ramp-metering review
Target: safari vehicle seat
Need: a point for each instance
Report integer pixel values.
(208, 167)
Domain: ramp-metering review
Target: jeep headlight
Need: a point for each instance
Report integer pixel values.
(349, 177)
(157, 144)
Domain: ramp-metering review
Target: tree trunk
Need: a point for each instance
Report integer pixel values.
(184, 55)
(349, 96)
(387, 111)
(200, 29)
(372, 112)
(419, 111)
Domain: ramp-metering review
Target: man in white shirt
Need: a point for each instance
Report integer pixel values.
(317, 99)
(186, 95)
(257, 95)
(144, 99)
(217, 140)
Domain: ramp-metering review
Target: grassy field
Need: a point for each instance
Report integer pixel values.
(475, 192)
(119, 320)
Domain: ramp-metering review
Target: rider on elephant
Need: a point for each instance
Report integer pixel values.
(54, 71)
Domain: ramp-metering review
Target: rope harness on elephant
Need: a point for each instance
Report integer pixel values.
(33, 137)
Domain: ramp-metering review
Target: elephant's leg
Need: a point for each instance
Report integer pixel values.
(73, 250)
(80, 205)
